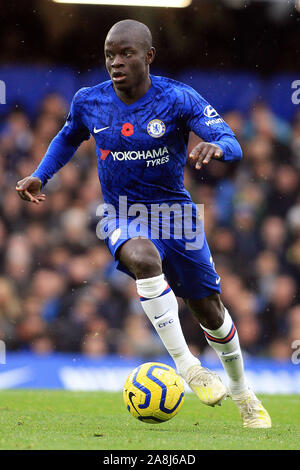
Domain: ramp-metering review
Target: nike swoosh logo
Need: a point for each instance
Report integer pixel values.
(218, 280)
(156, 317)
(130, 395)
(99, 130)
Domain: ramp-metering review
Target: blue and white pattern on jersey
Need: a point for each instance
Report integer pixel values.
(136, 158)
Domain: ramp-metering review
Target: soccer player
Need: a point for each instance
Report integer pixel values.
(141, 125)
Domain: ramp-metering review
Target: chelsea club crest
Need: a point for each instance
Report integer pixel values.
(156, 128)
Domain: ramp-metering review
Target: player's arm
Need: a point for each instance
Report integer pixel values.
(59, 152)
(217, 139)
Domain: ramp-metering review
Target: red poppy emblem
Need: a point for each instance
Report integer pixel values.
(127, 129)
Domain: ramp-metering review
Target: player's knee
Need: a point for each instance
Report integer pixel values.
(142, 258)
(145, 262)
(147, 267)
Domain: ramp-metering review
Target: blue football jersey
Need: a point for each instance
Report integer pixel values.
(141, 147)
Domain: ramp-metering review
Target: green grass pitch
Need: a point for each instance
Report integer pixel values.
(99, 420)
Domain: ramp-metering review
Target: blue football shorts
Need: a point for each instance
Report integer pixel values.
(186, 259)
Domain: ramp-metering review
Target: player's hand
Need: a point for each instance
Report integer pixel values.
(203, 153)
(29, 189)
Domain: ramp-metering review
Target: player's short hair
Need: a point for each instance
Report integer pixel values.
(142, 31)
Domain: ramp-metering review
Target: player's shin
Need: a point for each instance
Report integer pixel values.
(161, 307)
(225, 342)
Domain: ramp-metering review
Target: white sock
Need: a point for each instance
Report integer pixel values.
(225, 342)
(161, 307)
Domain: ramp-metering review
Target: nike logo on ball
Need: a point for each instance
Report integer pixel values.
(99, 130)
(130, 395)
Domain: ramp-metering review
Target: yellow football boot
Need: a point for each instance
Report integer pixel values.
(252, 412)
(206, 384)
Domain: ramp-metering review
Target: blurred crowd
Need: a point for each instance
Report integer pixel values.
(59, 290)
